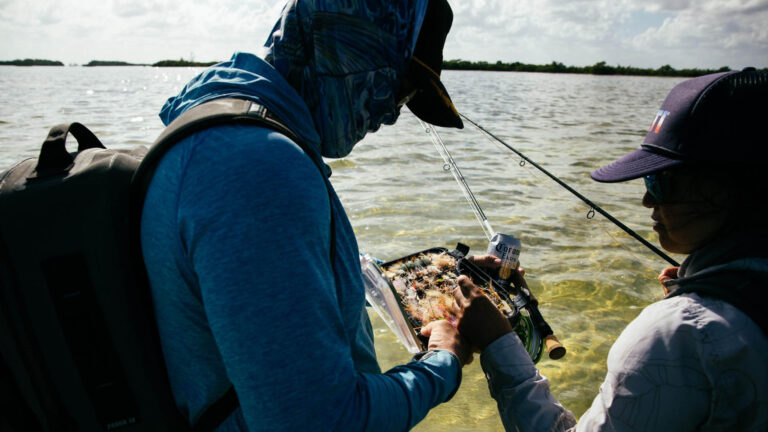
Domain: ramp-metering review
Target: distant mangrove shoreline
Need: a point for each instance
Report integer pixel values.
(599, 68)
(161, 63)
(92, 63)
(31, 62)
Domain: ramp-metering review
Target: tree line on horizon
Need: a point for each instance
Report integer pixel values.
(31, 62)
(599, 68)
(162, 63)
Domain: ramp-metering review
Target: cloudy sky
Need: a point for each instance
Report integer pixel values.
(642, 33)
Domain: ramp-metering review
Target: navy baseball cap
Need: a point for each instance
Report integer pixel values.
(719, 117)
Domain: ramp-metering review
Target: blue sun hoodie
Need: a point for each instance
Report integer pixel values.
(236, 234)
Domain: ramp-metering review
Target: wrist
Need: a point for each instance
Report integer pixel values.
(444, 363)
(506, 364)
(424, 355)
(483, 344)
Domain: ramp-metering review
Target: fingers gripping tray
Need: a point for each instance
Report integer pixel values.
(412, 291)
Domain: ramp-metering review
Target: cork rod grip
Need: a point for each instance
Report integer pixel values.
(555, 349)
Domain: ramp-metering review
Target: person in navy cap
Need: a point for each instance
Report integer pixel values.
(695, 360)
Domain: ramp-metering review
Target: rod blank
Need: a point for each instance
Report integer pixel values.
(454, 168)
(587, 201)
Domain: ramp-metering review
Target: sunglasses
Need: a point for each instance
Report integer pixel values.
(653, 186)
(659, 186)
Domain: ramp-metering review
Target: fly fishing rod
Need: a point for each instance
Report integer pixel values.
(593, 206)
(523, 298)
(450, 165)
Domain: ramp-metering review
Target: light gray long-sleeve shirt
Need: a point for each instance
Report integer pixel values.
(686, 363)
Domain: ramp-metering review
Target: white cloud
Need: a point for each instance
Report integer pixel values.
(131, 8)
(663, 5)
(713, 33)
(644, 33)
(133, 30)
(705, 33)
(533, 31)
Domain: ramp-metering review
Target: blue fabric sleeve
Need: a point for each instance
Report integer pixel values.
(254, 221)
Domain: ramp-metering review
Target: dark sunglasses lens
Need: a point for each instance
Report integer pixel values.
(653, 186)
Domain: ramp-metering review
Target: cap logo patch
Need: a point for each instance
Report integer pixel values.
(657, 122)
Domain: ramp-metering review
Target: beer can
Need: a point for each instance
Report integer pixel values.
(507, 248)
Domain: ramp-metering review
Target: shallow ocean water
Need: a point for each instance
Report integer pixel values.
(590, 278)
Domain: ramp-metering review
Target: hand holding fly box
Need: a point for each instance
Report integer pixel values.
(414, 290)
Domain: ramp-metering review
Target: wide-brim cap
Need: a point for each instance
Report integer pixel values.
(432, 102)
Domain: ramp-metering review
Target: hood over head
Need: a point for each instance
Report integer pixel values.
(246, 76)
(347, 61)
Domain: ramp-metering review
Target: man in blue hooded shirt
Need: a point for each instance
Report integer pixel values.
(251, 258)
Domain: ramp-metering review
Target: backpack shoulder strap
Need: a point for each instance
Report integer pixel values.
(209, 114)
(217, 112)
(215, 414)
